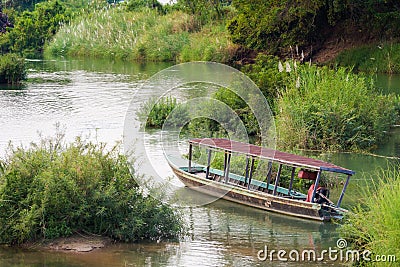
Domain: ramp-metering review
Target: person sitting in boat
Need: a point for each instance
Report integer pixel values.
(321, 194)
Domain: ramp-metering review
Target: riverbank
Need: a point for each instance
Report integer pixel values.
(74, 244)
(144, 35)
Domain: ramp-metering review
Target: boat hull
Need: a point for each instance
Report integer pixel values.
(261, 200)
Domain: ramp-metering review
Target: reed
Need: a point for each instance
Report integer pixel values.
(144, 35)
(329, 109)
(375, 223)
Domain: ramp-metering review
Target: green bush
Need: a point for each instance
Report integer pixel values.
(329, 109)
(265, 73)
(153, 113)
(52, 189)
(375, 223)
(12, 69)
(32, 29)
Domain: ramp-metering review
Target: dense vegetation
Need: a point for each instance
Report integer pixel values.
(12, 69)
(276, 25)
(375, 224)
(142, 34)
(329, 109)
(52, 189)
(32, 29)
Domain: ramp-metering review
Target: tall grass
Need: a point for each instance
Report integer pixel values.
(140, 35)
(329, 109)
(383, 58)
(375, 223)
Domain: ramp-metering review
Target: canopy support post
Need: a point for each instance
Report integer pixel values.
(278, 176)
(269, 175)
(208, 163)
(190, 158)
(343, 191)
(228, 163)
(251, 172)
(247, 170)
(291, 180)
(316, 185)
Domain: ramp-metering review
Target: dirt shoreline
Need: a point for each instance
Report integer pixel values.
(74, 244)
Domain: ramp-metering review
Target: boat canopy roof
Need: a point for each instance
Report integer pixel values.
(269, 154)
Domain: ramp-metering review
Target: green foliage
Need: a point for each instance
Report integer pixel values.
(117, 33)
(206, 10)
(384, 58)
(241, 108)
(143, 35)
(265, 73)
(51, 189)
(154, 113)
(12, 69)
(32, 29)
(137, 5)
(332, 109)
(275, 24)
(375, 223)
(211, 43)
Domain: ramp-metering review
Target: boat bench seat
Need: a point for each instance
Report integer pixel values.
(259, 184)
(255, 184)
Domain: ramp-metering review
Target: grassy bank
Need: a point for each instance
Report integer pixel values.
(143, 35)
(52, 189)
(375, 224)
(379, 58)
(326, 109)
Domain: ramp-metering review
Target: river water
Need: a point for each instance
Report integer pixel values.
(90, 98)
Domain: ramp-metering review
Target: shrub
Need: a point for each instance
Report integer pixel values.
(153, 113)
(265, 73)
(51, 189)
(322, 108)
(12, 69)
(32, 29)
(375, 223)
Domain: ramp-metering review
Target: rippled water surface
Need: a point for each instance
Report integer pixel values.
(91, 98)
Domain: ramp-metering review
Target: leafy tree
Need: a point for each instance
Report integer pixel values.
(272, 25)
(204, 10)
(33, 28)
(138, 4)
(21, 4)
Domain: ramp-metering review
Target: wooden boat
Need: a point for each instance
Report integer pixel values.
(266, 195)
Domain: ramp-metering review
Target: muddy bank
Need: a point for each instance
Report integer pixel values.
(77, 243)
